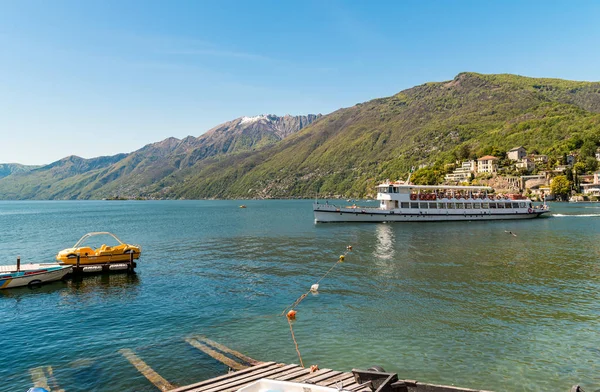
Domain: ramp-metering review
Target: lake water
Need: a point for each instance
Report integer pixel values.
(461, 303)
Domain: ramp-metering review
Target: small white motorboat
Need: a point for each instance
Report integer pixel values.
(31, 274)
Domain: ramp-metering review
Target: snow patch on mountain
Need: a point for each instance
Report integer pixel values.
(246, 119)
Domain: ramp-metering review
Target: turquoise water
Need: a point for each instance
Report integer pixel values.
(461, 303)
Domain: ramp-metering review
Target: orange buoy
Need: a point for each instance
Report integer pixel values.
(349, 247)
(291, 315)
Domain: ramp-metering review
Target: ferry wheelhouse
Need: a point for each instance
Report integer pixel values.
(401, 202)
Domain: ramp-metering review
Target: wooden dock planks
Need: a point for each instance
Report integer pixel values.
(146, 370)
(274, 371)
(225, 349)
(43, 377)
(215, 354)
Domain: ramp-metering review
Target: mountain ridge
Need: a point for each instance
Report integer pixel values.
(345, 153)
(428, 124)
(75, 177)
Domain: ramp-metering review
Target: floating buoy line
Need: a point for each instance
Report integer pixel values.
(291, 312)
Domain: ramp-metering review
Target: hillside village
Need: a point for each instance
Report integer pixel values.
(531, 173)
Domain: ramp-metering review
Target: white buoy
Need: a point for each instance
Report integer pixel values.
(314, 287)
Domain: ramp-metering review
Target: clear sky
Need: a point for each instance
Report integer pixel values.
(93, 78)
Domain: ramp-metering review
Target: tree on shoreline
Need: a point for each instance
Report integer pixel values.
(560, 187)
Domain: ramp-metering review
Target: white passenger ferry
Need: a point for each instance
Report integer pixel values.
(401, 202)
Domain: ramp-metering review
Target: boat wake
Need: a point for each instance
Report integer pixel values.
(574, 215)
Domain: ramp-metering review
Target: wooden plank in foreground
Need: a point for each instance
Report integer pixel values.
(216, 345)
(294, 373)
(43, 377)
(39, 377)
(344, 378)
(146, 370)
(215, 354)
(309, 376)
(298, 373)
(243, 379)
(229, 376)
(325, 376)
(233, 386)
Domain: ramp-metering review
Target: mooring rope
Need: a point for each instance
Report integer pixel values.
(295, 342)
(291, 314)
(340, 260)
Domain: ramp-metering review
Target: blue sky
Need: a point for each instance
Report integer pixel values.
(93, 78)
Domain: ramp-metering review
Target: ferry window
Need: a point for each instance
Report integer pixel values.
(522, 205)
(450, 206)
(395, 190)
(414, 205)
(391, 189)
(405, 204)
(440, 206)
(459, 206)
(468, 206)
(423, 205)
(492, 205)
(485, 205)
(477, 205)
(530, 205)
(515, 205)
(500, 205)
(432, 205)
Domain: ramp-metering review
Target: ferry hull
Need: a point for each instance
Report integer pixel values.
(325, 214)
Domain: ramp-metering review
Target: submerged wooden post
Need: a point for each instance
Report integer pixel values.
(18, 263)
(130, 269)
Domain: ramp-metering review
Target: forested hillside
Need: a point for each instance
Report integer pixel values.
(344, 153)
(347, 152)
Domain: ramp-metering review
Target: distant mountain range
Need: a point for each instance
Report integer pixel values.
(137, 173)
(344, 153)
(6, 169)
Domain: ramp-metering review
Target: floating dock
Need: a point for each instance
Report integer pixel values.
(85, 269)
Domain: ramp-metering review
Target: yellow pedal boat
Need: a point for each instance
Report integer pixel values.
(100, 255)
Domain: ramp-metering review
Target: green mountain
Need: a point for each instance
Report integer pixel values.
(135, 174)
(345, 153)
(6, 169)
(349, 151)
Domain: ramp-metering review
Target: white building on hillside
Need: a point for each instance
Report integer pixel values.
(487, 164)
(463, 173)
(594, 188)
